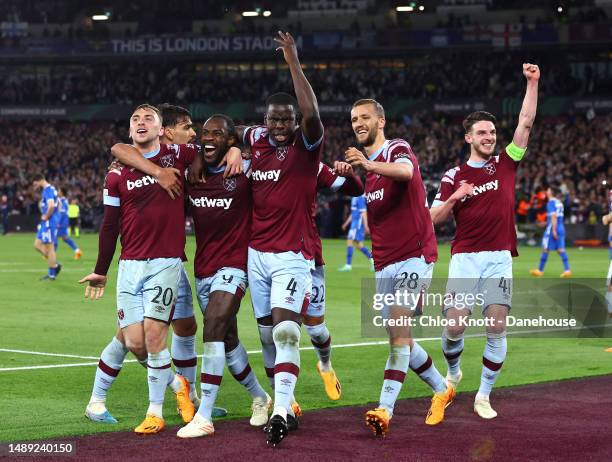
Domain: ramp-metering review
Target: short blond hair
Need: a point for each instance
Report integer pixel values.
(150, 107)
(380, 111)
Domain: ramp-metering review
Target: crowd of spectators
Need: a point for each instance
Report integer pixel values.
(570, 151)
(430, 77)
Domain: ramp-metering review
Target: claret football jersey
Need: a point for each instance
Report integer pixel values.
(152, 223)
(284, 180)
(485, 220)
(398, 217)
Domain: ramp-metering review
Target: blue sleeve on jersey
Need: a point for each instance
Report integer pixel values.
(313, 146)
(551, 208)
(48, 193)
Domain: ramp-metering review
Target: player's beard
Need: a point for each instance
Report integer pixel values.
(371, 139)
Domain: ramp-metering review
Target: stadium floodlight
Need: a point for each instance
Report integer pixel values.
(559, 9)
(421, 8)
(250, 13)
(267, 13)
(405, 8)
(100, 17)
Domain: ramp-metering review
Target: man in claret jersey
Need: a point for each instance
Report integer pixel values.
(284, 164)
(151, 225)
(177, 129)
(480, 195)
(221, 209)
(404, 249)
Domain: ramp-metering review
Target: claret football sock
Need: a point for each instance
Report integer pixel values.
(238, 364)
(492, 361)
(395, 373)
(423, 366)
(452, 349)
(160, 375)
(109, 366)
(184, 358)
(213, 363)
(321, 341)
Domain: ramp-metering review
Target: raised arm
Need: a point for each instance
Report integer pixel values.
(529, 108)
(307, 101)
(168, 178)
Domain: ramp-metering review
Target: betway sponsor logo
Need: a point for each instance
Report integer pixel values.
(375, 195)
(264, 175)
(489, 186)
(211, 202)
(144, 181)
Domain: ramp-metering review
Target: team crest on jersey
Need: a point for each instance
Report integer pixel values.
(281, 152)
(257, 154)
(229, 184)
(167, 161)
(490, 168)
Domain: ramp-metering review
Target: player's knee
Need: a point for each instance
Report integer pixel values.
(185, 327)
(497, 327)
(231, 340)
(215, 323)
(313, 320)
(286, 333)
(136, 347)
(454, 333)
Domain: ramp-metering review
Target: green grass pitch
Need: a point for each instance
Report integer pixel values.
(46, 317)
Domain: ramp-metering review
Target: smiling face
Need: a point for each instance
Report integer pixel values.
(216, 140)
(281, 122)
(366, 123)
(145, 126)
(482, 137)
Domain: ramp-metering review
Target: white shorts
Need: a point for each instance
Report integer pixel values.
(407, 280)
(279, 280)
(479, 278)
(232, 280)
(147, 289)
(610, 273)
(184, 300)
(316, 307)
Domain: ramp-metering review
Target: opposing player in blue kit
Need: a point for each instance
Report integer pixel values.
(62, 225)
(47, 229)
(358, 221)
(554, 235)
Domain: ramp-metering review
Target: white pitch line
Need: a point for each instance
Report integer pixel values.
(39, 270)
(42, 353)
(346, 345)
